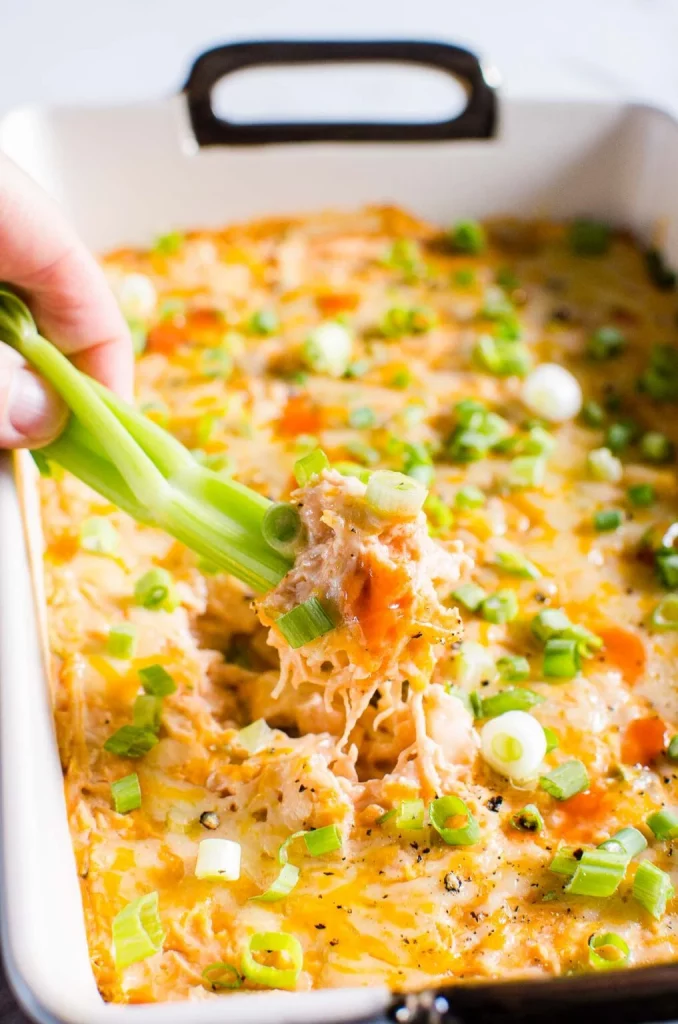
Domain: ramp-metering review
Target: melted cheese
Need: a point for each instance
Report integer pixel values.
(403, 909)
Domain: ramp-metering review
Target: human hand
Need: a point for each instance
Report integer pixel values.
(66, 289)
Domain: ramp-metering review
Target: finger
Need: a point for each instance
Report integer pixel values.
(66, 288)
(31, 412)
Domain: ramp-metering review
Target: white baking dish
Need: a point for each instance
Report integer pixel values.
(126, 174)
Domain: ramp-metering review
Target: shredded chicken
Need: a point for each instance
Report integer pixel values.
(385, 578)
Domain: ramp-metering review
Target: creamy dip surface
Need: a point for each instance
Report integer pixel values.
(389, 343)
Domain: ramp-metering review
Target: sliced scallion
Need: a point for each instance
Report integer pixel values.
(157, 681)
(320, 841)
(663, 824)
(393, 494)
(598, 873)
(515, 698)
(469, 497)
(500, 607)
(155, 590)
(122, 640)
(566, 780)
(147, 712)
(131, 741)
(607, 520)
(513, 668)
(672, 750)
(282, 528)
(528, 819)
(561, 658)
(607, 951)
(656, 448)
(218, 860)
(137, 931)
(606, 343)
(305, 623)
(310, 465)
(126, 793)
(219, 975)
(629, 841)
(652, 888)
(273, 977)
(516, 564)
(664, 617)
(469, 595)
(527, 471)
(468, 236)
(281, 886)
(452, 808)
(603, 465)
(641, 495)
(99, 536)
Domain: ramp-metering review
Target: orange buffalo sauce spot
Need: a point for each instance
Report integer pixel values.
(624, 650)
(580, 818)
(165, 337)
(644, 739)
(300, 416)
(332, 303)
(380, 605)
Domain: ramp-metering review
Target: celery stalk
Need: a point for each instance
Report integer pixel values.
(142, 469)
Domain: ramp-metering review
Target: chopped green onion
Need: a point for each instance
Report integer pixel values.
(328, 349)
(603, 465)
(256, 736)
(439, 516)
(405, 255)
(155, 589)
(502, 358)
(629, 841)
(264, 322)
(281, 886)
(606, 343)
(666, 564)
(652, 888)
(589, 238)
(514, 698)
(147, 712)
(568, 779)
(474, 664)
(528, 819)
(513, 668)
(526, 471)
(137, 931)
(658, 271)
(393, 494)
(663, 824)
(282, 528)
(561, 658)
(122, 640)
(514, 563)
(656, 448)
(364, 453)
(665, 616)
(352, 469)
(469, 497)
(126, 793)
(401, 379)
(362, 418)
(470, 595)
(464, 278)
(131, 741)
(607, 951)
(310, 465)
(549, 623)
(672, 750)
(305, 623)
(443, 809)
(564, 861)
(157, 681)
(552, 741)
(514, 745)
(220, 975)
(218, 860)
(169, 244)
(506, 278)
(619, 436)
(468, 236)
(216, 363)
(99, 536)
(476, 433)
(593, 414)
(607, 520)
(500, 607)
(660, 379)
(273, 977)
(410, 815)
(641, 495)
(598, 873)
(320, 841)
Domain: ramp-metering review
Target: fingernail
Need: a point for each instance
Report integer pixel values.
(35, 409)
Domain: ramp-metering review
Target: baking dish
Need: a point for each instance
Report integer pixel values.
(126, 174)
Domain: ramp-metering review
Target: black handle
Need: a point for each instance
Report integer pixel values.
(633, 996)
(476, 121)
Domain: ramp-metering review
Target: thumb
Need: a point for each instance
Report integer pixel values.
(31, 412)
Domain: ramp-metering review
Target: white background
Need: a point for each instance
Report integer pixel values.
(94, 51)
